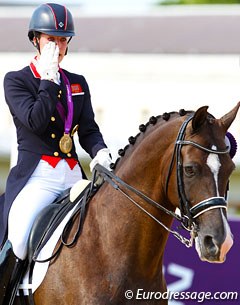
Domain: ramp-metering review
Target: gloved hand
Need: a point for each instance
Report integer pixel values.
(47, 65)
(103, 157)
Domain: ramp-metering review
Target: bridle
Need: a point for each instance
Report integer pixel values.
(187, 214)
(190, 214)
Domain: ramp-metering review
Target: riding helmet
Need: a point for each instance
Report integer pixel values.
(51, 19)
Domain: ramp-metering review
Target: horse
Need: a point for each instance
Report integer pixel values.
(178, 161)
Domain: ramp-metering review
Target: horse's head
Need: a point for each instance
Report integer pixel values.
(181, 160)
(203, 170)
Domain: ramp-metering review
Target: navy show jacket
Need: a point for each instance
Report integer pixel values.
(32, 103)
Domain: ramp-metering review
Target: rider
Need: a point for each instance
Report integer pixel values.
(48, 105)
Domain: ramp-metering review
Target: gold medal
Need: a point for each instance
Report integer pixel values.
(65, 143)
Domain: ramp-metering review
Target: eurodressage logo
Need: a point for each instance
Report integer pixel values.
(61, 24)
(200, 296)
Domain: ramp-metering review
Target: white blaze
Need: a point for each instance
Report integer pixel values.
(228, 240)
(214, 165)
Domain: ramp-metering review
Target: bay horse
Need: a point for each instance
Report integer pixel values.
(178, 160)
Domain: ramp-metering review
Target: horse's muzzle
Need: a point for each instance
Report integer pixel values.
(214, 238)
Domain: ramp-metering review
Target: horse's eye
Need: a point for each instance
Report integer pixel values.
(189, 170)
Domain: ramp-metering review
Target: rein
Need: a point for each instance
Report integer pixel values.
(116, 183)
(188, 214)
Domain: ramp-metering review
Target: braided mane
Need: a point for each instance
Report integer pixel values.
(153, 120)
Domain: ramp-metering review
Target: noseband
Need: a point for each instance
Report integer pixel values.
(188, 213)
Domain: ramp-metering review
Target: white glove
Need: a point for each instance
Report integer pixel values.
(47, 65)
(103, 158)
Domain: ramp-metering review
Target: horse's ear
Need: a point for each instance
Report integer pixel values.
(199, 117)
(228, 118)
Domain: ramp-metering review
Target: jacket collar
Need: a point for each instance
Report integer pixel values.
(33, 68)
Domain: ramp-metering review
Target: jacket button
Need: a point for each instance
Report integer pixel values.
(53, 119)
(69, 155)
(60, 92)
(56, 154)
(59, 95)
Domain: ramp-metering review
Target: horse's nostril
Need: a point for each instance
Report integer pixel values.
(210, 245)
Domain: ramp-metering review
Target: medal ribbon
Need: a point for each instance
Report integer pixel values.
(69, 118)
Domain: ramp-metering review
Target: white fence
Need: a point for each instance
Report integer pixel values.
(127, 89)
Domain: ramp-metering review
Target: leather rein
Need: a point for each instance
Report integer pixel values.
(187, 214)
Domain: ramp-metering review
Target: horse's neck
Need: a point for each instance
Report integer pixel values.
(131, 236)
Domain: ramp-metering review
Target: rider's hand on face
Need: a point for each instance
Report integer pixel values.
(48, 62)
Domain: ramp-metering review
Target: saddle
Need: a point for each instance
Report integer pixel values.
(51, 216)
(74, 199)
